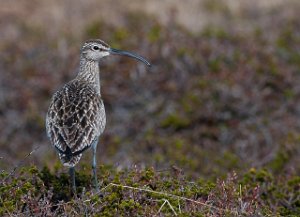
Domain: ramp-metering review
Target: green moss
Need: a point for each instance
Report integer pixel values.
(182, 51)
(94, 29)
(179, 143)
(229, 160)
(294, 181)
(129, 205)
(214, 65)
(285, 38)
(33, 170)
(148, 174)
(119, 36)
(279, 161)
(254, 176)
(190, 102)
(175, 121)
(289, 93)
(117, 178)
(123, 201)
(114, 146)
(215, 6)
(203, 84)
(154, 33)
(215, 32)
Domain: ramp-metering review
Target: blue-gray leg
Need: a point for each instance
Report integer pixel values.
(94, 165)
(72, 177)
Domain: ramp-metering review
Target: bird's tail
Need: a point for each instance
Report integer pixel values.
(69, 160)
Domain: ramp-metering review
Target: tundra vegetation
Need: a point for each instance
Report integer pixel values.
(212, 129)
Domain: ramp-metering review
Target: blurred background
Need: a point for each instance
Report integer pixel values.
(223, 93)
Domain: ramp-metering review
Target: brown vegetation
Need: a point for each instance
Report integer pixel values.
(220, 105)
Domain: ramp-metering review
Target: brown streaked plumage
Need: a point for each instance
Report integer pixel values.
(75, 119)
(76, 116)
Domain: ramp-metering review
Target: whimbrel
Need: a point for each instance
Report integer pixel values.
(76, 116)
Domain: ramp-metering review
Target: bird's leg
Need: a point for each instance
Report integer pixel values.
(94, 165)
(72, 177)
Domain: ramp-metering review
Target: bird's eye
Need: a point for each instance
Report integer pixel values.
(96, 48)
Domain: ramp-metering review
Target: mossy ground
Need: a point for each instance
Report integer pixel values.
(146, 192)
(212, 127)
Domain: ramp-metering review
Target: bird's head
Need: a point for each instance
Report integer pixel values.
(94, 50)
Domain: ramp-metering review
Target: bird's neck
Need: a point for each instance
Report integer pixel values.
(89, 72)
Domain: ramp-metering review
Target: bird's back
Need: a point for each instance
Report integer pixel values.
(75, 119)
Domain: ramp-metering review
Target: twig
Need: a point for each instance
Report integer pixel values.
(161, 206)
(165, 194)
(167, 202)
(4, 206)
(145, 190)
(20, 163)
(179, 208)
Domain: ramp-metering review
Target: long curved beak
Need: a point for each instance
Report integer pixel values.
(129, 54)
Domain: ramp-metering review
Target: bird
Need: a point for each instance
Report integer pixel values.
(76, 116)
